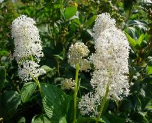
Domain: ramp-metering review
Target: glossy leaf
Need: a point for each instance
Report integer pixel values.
(139, 41)
(149, 106)
(70, 12)
(9, 102)
(114, 118)
(22, 120)
(2, 76)
(55, 103)
(74, 25)
(132, 42)
(49, 71)
(4, 53)
(40, 119)
(149, 70)
(90, 21)
(88, 119)
(126, 105)
(27, 91)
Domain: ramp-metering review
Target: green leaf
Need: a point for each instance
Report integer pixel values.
(70, 12)
(4, 53)
(137, 103)
(131, 31)
(40, 119)
(142, 116)
(22, 120)
(57, 6)
(9, 102)
(114, 118)
(47, 68)
(105, 119)
(139, 41)
(50, 71)
(74, 25)
(55, 103)
(27, 91)
(149, 106)
(2, 76)
(90, 21)
(132, 42)
(126, 105)
(88, 119)
(149, 69)
(58, 57)
(149, 60)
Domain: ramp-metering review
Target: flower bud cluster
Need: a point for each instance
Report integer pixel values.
(67, 84)
(76, 55)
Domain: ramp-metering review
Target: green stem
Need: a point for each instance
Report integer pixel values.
(37, 82)
(75, 92)
(57, 66)
(103, 102)
(39, 86)
(31, 57)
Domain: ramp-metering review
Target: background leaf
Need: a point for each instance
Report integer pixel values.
(140, 39)
(41, 119)
(9, 102)
(70, 12)
(22, 120)
(132, 42)
(2, 76)
(88, 119)
(149, 106)
(149, 70)
(114, 119)
(90, 21)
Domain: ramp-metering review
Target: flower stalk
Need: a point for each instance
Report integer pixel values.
(75, 92)
(103, 102)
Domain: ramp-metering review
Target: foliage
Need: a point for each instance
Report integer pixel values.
(61, 23)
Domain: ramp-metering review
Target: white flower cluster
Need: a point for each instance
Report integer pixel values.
(27, 47)
(88, 104)
(67, 84)
(30, 69)
(110, 61)
(76, 55)
(26, 38)
(103, 22)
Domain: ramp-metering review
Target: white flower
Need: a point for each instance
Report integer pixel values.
(112, 50)
(102, 23)
(26, 38)
(1, 1)
(147, 1)
(88, 104)
(30, 69)
(85, 65)
(110, 61)
(118, 87)
(68, 84)
(76, 55)
(27, 47)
